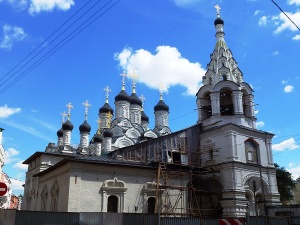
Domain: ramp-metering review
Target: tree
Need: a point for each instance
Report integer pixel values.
(285, 184)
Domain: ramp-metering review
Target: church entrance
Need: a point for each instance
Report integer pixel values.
(112, 204)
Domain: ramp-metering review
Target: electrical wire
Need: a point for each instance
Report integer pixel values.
(68, 38)
(285, 14)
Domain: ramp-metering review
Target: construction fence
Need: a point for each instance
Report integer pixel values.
(16, 217)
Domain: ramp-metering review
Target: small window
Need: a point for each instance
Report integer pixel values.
(224, 77)
(112, 204)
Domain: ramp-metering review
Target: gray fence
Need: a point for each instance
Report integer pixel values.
(15, 217)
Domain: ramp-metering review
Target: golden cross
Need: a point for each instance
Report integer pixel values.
(87, 105)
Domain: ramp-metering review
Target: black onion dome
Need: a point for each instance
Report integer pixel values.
(97, 138)
(219, 20)
(67, 125)
(144, 117)
(161, 105)
(106, 108)
(135, 100)
(60, 133)
(85, 127)
(107, 133)
(122, 96)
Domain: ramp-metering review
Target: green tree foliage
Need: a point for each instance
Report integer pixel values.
(285, 184)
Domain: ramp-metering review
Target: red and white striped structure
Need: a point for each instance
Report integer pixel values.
(239, 221)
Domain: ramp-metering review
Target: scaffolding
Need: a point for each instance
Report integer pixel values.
(177, 158)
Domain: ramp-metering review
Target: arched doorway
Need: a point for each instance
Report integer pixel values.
(204, 198)
(112, 204)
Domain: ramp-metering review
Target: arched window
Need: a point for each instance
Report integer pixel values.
(226, 104)
(112, 204)
(206, 106)
(151, 205)
(251, 151)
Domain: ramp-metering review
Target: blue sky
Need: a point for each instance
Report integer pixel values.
(167, 42)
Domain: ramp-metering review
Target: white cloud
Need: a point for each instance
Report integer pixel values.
(289, 144)
(263, 21)
(296, 2)
(16, 186)
(11, 35)
(257, 12)
(17, 4)
(297, 37)
(167, 67)
(295, 171)
(20, 166)
(288, 88)
(5, 111)
(10, 154)
(256, 111)
(275, 53)
(284, 22)
(260, 124)
(37, 6)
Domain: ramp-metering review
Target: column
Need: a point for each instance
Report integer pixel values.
(237, 97)
(215, 103)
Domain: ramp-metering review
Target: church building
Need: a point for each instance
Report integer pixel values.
(221, 166)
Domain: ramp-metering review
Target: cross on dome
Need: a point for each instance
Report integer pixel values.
(107, 90)
(87, 105)
(218, 8)
(161, 91)
(134, 78)
(123, 75)
(70, 107)
(142, 98)
(63, 114)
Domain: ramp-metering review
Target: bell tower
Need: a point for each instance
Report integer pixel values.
(229, 140)
(224, 97)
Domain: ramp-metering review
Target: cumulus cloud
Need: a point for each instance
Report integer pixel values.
(163, 69)
(297, 37)
(16, 186)
(294, 170)
(260, 124)
(288, 88)
(296, 2)
(5, 111)
(37, 6)
(11, 35)
(289, 144)
(257, 12)
(10, 155)
(20, 166)
(263, 21)
(285, 24)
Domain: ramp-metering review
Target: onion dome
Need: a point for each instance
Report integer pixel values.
(135, 100)
(106, 108)
(85, 127)
(97, 138)
(107, 133)
(144, 117)
(219, 20)
(67, 125)
(60, 133)
(122, 96)
(161, 106)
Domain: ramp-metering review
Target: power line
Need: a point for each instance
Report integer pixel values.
(285, 14)
(68, 38)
